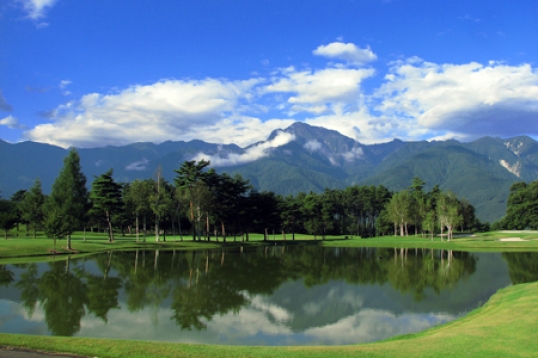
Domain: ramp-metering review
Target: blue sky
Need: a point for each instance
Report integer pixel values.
(92, 73)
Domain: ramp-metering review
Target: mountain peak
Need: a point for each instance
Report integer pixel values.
(519, 145)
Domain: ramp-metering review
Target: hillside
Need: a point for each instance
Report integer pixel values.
(306, 158)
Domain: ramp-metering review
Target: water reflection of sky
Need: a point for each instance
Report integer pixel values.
(260, 323)
(332, 313)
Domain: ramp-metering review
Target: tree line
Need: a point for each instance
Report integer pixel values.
(207, 205)
(521, 208)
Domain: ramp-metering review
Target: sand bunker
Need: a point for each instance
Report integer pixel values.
(512, 239)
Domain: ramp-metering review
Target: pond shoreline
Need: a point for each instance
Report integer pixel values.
(18, 248)
(514, 306)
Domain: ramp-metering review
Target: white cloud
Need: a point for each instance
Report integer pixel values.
(138, 165)
(417, 100)
(346, 51)
(64, 83)
(252, 153)
(319, 91)
(36, 9)
(355, 153)
(312, 145)
(469, 100)
(12, 123)
(171, 109)
(366, 128)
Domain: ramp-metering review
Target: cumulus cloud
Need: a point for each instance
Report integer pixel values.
(468, 100)
(12, 123)
(36, 9)
(319, 91)
(346, 51)
(4, 106)
(251, 154)
(170, 109)
(416, 100)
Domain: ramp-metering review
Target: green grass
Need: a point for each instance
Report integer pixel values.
(24, 248)
(504, 327)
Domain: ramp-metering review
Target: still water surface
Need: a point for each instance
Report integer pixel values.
(263, 296)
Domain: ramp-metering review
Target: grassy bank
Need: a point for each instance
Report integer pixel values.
(504, 327)
(24, 249)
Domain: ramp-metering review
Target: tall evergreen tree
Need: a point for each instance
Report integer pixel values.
(191, 180)
(105, 198)
(16, 200)
(32, 205)
(8, 216)
(66, 207)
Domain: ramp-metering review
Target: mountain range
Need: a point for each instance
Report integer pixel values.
(302, 158)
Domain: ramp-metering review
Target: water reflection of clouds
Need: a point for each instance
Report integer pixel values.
(335, 296)
(15, 319)
(279, 314)
(260, 323)
(373, 324)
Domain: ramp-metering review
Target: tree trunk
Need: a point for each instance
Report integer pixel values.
(145, 228)
(110, 232)
(69, 242)
(179, 227)
(156, 228)
(223, 231)
(137, 229)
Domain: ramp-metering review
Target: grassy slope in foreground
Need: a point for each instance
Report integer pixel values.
(504, 327)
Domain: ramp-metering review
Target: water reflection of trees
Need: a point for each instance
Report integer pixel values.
(197, 285)
(522, 266)
(6, 276)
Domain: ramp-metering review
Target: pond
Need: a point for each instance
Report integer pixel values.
(263, 296)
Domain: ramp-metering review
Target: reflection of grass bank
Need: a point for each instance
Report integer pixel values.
(24, 247)
(504, 326)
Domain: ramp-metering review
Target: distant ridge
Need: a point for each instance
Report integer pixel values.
(313, 159)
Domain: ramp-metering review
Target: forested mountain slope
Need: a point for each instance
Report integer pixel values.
(309, 159)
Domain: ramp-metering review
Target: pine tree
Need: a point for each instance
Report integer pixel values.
(32, 205)
(66, 207)
(106, 200)
(8, 216)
